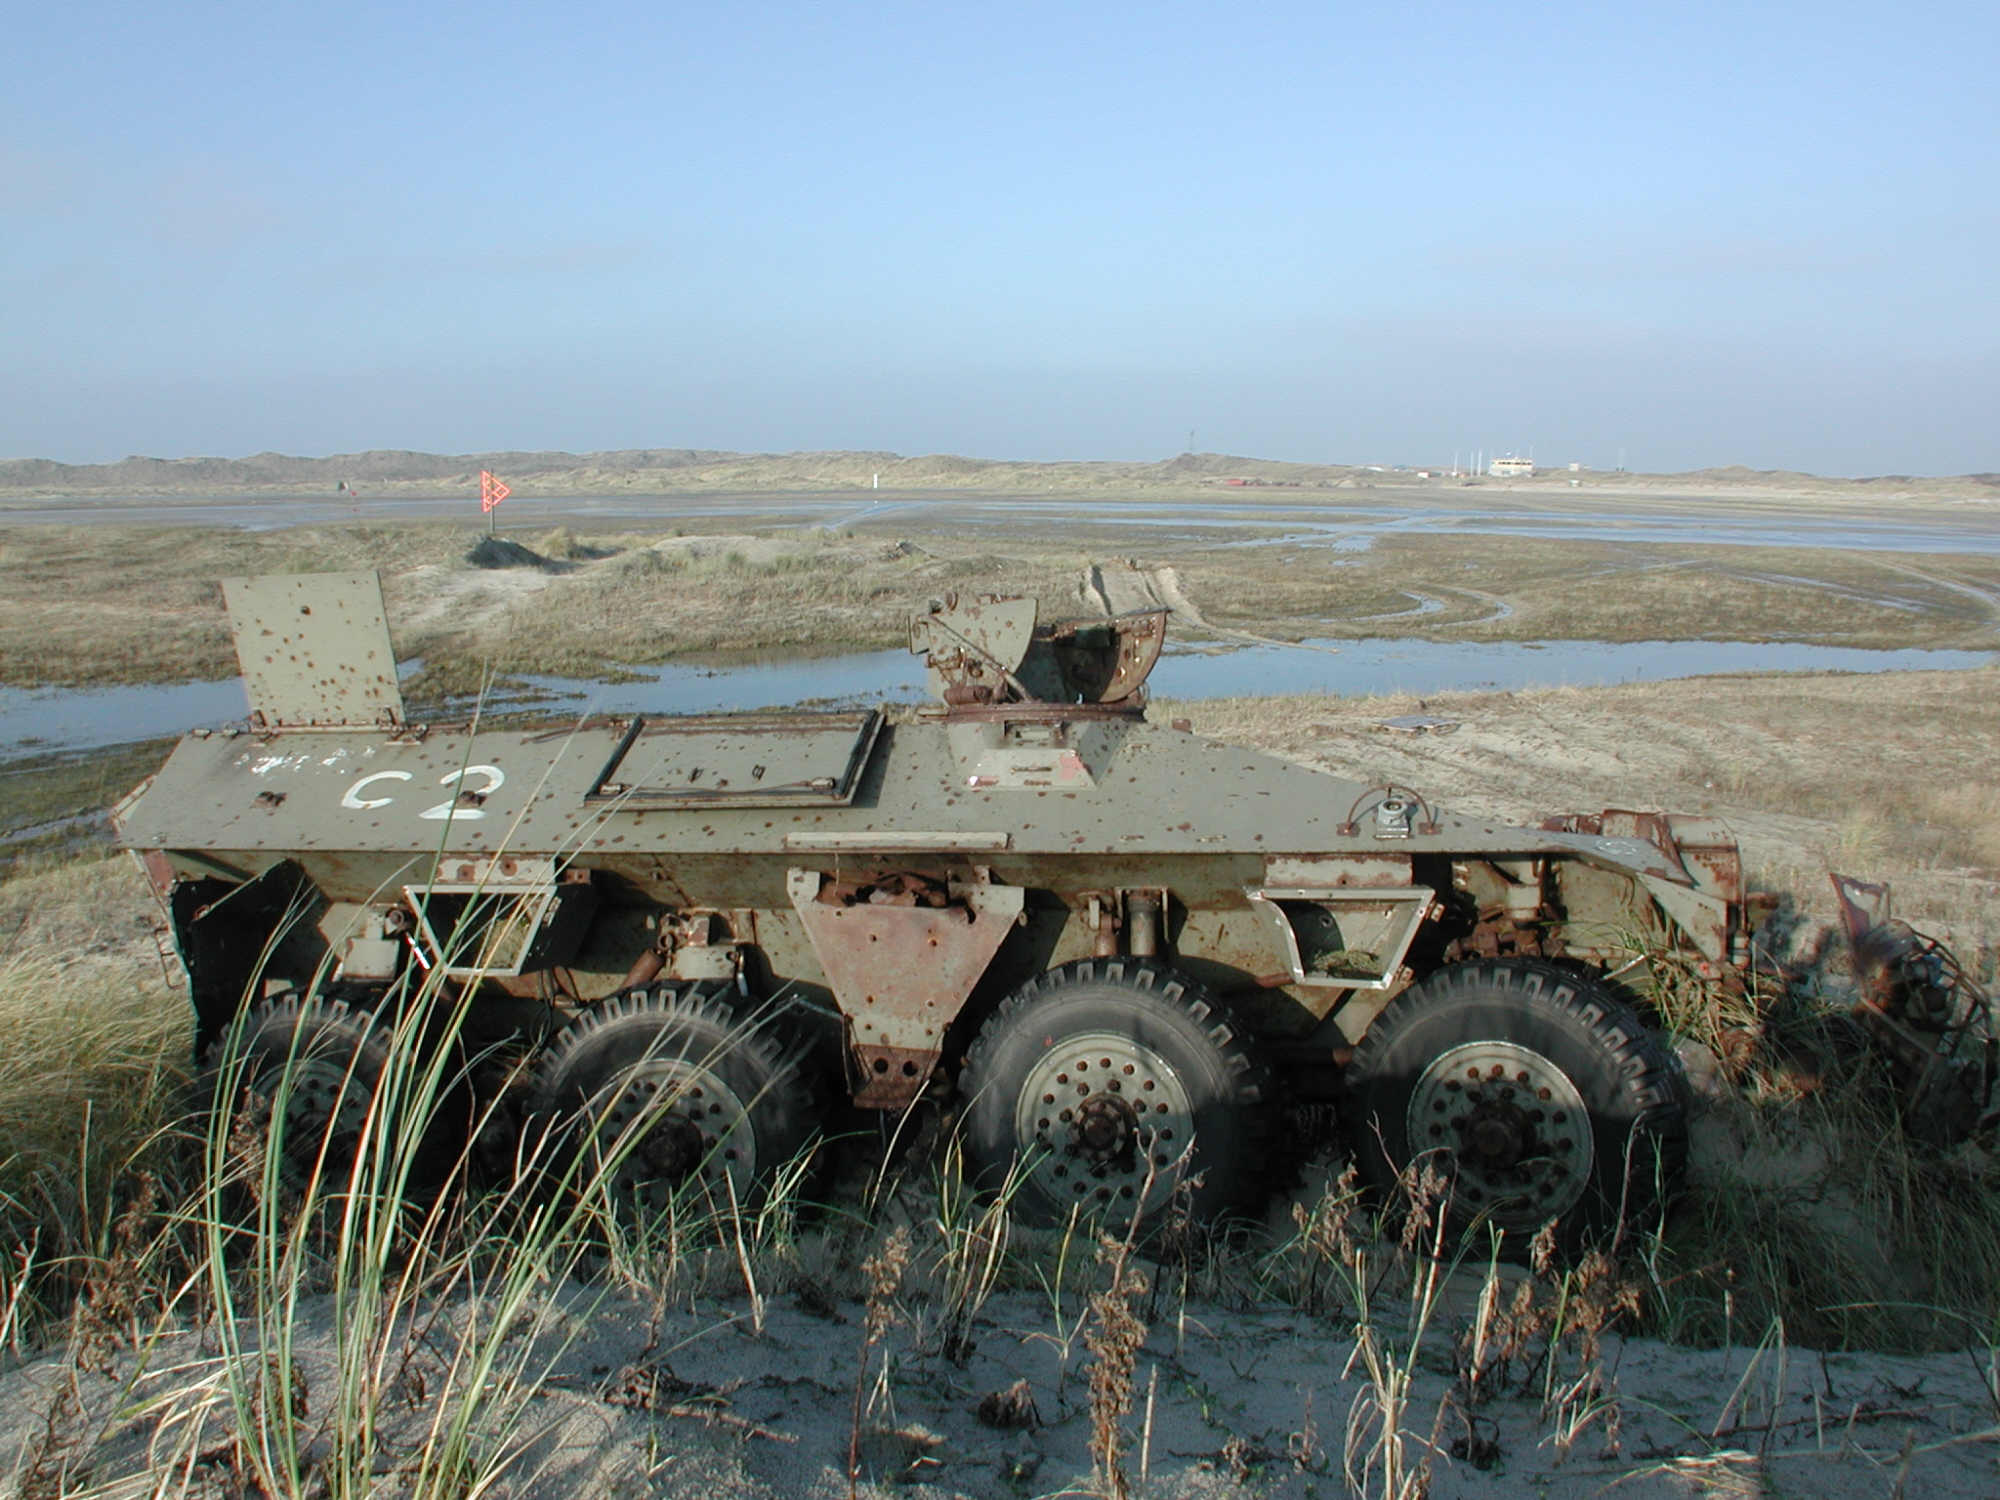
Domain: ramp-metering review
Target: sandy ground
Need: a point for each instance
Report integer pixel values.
(700, 1404)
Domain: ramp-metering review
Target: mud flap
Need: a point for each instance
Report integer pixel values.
(230, 935)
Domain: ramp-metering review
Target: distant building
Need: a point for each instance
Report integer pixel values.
(1512, 468)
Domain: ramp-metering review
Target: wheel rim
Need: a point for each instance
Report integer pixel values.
(675, 1120)
(325, 1106)
(327, 1096)
(1097, 1114)
(1514, 1124)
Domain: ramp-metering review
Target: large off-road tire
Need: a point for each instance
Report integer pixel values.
(308, 1070)
(659, 1090)
(1087, 1088)
(1535, 1091)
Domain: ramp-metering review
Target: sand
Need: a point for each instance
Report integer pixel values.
(700, 1403)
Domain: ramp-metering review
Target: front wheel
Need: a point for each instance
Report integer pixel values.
(1537, 1092)
(317, 1076)
(1106, 1084)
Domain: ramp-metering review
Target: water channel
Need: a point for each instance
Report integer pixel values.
(34, 720)
(37, 720)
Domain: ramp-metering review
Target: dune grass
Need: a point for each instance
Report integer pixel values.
(287, 1307)
(301, 1319)
(92, 1077)
(307, 1322)
(93, 1094)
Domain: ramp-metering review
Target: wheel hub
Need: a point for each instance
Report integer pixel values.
(1514, 1123)
(678, 1121)
(1496, 1137)
(1103, 1120)
(673, 1148)
(325, 1107)
(1105, 1130)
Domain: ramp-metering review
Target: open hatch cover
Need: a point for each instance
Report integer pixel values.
(732, 760)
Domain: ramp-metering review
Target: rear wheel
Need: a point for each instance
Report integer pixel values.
(1107, 1084)
(659, 1089)
(1537, 1093)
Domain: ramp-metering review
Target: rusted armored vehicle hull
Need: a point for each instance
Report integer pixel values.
(1131, 958)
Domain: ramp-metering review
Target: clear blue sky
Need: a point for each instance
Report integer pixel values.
(1692, 234)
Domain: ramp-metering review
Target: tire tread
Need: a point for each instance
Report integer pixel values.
(1251, 1086)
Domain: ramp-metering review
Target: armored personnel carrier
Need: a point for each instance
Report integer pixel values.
(1133, 960)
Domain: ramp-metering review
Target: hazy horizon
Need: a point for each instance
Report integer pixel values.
(1641, 236)
(1464, 459)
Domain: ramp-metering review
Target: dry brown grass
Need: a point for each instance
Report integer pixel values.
(93, 1069)
(141, 603)
(1524, 588)
(144, 603)
(719, 597)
